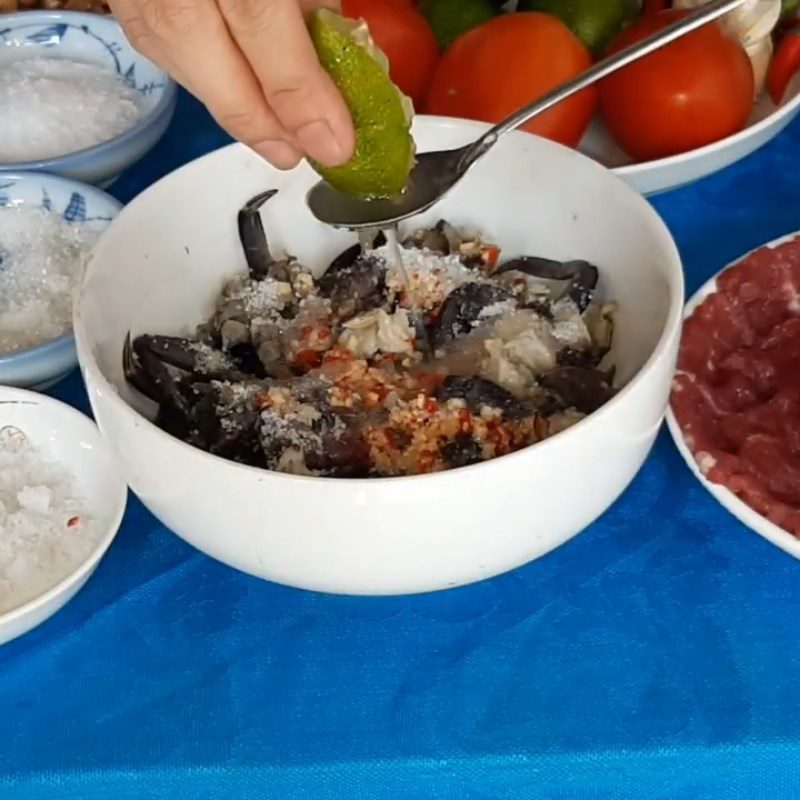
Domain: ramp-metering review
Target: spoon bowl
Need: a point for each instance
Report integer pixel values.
(432, 177)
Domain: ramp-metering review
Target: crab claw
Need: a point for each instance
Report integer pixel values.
(148, 374)
(252, 235)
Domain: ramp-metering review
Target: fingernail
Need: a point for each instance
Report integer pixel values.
(279, 153)
(318, 141)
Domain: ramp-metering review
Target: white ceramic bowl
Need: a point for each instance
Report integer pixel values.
(41, 366)
(161, 263)
(70, 438)
(94, 39)
(743, 512)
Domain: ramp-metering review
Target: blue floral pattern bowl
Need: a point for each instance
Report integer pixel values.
(99, 40)
(41, 366)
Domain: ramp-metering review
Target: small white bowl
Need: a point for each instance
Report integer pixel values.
(72, 439)
(162, 262)
(41, 366)
(94, 39)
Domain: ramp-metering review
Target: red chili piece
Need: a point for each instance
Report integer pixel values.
(308, 359)
(490, 255)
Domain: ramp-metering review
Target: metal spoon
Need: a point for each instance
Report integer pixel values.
(435, 173)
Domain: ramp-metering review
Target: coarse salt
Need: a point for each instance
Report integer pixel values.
(42, 256)
(430, 276)
(502, 308)
(55, 106)
(257, 299)
(46, 530)
(209, 359)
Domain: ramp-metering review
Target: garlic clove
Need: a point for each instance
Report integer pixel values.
(751, 25)
(760, 55)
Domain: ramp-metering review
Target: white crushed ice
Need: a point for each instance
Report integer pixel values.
(46, 531)
(54, 106)
(41, 256)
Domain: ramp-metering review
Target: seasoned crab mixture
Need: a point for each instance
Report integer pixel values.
(397, 361)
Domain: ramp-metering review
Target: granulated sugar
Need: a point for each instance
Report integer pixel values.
(53, 106)
(41, 256)
(46, 531)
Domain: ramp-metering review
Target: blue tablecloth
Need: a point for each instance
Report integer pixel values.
(656, 655)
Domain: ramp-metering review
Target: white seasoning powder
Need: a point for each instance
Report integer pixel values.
(54, 106)
(41, 256)
(46, 531)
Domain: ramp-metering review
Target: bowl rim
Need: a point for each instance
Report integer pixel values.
(87, 565)
(672, 323)
(163, 106)
(15, 357)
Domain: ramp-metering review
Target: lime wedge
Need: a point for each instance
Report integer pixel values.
(384, 152)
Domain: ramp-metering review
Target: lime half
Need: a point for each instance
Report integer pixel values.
(384, 152)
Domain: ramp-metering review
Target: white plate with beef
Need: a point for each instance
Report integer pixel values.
(735, 405)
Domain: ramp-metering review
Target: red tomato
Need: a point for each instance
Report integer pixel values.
(785, 63)
(506, 63)
(693, 92)
(405, 37)
(654, 6)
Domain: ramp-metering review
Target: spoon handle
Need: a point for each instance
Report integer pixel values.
(702, 16)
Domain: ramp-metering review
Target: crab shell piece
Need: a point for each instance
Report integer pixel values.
(582, 275)
(462, 309)
(479, 392)
(582, 388)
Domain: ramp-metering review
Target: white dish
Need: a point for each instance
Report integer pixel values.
(47, 363)
(743, 512)
(72, 439)
(652, 177)
(93, 39)
(160, 264)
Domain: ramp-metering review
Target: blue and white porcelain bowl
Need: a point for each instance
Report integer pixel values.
(94, 39)
(41, 366)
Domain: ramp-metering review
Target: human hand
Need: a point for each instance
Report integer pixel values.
(253, 65)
